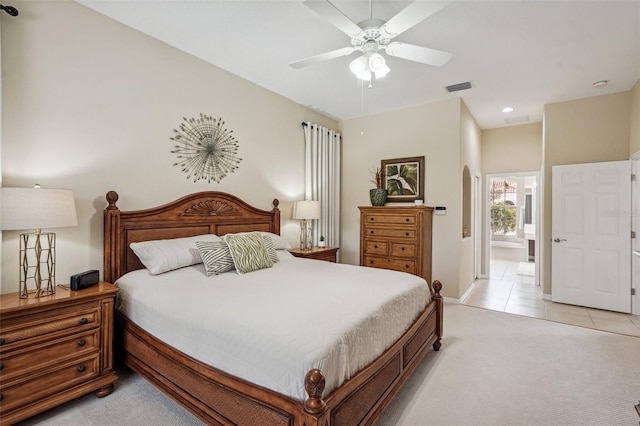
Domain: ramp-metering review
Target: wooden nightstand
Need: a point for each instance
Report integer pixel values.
(54, 349)
(317, 253)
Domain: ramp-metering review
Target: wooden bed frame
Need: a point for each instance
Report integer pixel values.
(220, 398)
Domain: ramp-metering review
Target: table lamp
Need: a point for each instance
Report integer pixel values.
(36, 209)
(307, 210)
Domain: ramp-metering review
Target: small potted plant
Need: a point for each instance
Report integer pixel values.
(322, 242)
(378, 195)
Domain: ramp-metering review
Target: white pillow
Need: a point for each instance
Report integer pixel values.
(279, 243)
(160, 256)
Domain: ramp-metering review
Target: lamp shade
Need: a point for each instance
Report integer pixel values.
(307, 209)
(36, 208)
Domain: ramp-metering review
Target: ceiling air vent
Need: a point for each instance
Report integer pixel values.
(457, 87)
(516, 120)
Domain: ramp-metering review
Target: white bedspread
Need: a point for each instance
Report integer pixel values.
(273, 325)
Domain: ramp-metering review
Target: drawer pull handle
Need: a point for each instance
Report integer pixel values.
(2, 341)
(407, 219)
(371, 262)
(371, 232)
(1, 366)
(0, 397)
(402, 249)
(83, 320)
(81, 369)
(406, 266)
(372, 219)
(82, 342)
(376, 246)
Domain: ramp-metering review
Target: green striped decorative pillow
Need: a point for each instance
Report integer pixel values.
(271, 248)
(215, 256)
(248, 252)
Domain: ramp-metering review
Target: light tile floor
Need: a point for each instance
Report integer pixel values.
(517, 294)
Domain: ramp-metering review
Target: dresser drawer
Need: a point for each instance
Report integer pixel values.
(408, 233)
(385, 219)
(19, 393)
(393, 264)
(55, 323)
(403, 250)
(375, 247)
(31, 358)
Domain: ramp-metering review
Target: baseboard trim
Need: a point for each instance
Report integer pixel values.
(546, 296)
(468, 292)
(463, 298)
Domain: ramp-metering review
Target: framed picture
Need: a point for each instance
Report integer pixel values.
(403, 179)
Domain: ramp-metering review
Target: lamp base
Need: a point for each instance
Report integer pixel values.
(37, 264)
(305, 235)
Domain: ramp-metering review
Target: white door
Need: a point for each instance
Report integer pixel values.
(591, 232)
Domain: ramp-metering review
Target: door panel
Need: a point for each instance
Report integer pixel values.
(591, 229)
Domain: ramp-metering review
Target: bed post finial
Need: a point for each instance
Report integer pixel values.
(112, 198)
(314, 385)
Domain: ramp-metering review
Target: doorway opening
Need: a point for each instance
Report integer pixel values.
(512, 202)
(511, 281)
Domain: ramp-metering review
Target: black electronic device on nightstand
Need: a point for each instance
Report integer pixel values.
(84, 279)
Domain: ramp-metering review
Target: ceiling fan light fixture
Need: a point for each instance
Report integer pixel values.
(376, 62)
(367, 64)
(384, 70)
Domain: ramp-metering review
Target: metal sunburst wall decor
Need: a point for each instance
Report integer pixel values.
(205, 149)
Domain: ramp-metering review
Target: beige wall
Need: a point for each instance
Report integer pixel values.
(431, 130)
(90, 105)
(634, 132)
(583, 131)
(470, 142)
(512, 149)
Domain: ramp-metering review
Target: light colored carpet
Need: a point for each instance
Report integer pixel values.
(494, 368)
(526, 268)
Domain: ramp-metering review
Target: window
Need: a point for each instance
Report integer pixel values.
(504, 194)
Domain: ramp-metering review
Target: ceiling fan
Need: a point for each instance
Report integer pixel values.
(373, 35)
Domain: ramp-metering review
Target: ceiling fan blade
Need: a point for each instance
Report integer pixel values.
(421, 54)
(322, 57)
(334, 16)
(410, 16)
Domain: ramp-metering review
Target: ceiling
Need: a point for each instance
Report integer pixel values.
(522, 54)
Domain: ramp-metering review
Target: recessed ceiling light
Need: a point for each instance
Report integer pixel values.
(600, 83)
(507, 109)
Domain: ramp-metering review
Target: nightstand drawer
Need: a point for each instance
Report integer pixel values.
(408, 233)
(59, 377)
(393, 264)
(403, 250)
(375, 247)
(55, 323)
(33, 358)
(383, 219)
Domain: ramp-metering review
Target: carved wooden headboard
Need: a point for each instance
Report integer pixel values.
(200, 213)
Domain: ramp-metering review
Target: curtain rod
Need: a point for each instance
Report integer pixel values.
(335, 134)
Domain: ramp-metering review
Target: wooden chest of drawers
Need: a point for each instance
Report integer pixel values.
(397, 238)
(54, 348)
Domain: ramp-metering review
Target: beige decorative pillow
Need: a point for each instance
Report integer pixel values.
(248, 251)
(215, 256)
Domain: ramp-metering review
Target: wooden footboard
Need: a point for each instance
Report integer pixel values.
(219, 398)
